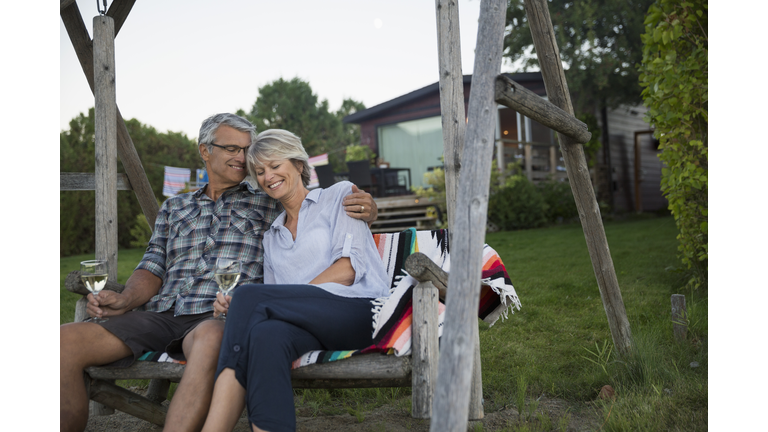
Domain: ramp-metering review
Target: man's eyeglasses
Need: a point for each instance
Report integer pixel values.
(232, 150)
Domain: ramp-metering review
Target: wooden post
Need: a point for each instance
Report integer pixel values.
(533, 106)
(476, 411)
(425, 349)
(451, 403)
(105, 131)
(424, 270)
(578, 174)
(454, 127)
(451, 99)
(679, 317)
(528, 161)
(158, 390)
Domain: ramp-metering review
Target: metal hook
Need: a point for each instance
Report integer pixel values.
(101, 12)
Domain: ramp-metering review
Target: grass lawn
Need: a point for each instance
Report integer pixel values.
(559, 344)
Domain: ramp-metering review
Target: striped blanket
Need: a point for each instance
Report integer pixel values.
(393, 315)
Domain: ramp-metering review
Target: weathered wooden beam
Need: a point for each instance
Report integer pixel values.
(119, 10)
(105, 133)
(87, 182)
(451, 98)
(369, 366)
(451, 404)
(578, 174)
(424, 349)
(138, 370)
(64, 3)
(158, 390)
(127, 401)
(476, 411)
(424, 269)
(364, 369)
(350, 383)
(528, 103)
(81, 41)
(679, 317)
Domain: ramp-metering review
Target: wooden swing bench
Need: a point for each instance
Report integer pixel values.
(418, 370)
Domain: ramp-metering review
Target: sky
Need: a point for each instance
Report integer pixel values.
(177, 62)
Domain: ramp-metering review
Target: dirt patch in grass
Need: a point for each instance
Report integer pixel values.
(551, 414)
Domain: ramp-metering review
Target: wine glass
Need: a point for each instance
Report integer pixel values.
(94, 274)
(226, 272)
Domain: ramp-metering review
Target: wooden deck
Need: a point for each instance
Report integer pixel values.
(402, 212)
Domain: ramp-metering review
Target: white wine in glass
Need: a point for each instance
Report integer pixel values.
(226, 272)
(94, 274)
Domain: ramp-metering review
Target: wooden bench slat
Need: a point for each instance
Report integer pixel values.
(369, 366)
(127, 401)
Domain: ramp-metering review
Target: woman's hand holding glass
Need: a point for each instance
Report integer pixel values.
(221, 305)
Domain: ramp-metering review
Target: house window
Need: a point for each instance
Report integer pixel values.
(415, 144)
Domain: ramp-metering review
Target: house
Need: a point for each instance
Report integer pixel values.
(406, 132)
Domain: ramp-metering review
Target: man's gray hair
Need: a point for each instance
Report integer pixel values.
(275, 144)
(211, 125)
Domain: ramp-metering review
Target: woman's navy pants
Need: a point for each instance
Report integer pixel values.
(270, 326)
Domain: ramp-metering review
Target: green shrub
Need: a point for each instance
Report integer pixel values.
(674, 75)
(357, 153)
(517, 205)
(140, 232)
(558, 198)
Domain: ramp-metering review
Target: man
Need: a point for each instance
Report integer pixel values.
(173, 286)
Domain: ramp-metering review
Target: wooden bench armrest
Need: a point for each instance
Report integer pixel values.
(424, 269)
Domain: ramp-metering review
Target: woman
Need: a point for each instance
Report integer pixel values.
(321, 271)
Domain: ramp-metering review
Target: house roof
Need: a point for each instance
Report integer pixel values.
(383, 107)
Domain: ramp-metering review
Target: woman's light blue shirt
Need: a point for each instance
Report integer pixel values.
(324, 234)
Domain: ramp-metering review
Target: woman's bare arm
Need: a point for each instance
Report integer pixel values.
(340, 272)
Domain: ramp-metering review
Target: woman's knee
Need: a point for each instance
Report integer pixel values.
(279, 338)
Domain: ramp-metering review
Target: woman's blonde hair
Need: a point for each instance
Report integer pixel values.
(275, 144)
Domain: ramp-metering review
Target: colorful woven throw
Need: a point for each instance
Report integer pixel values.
(393, 315)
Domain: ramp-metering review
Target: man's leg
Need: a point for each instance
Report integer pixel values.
(82, 345)
(192, 398)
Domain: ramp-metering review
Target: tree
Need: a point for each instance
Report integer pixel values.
(350, 133)
(599, 42)
(674, 74)
(77, 154)
(291, 105)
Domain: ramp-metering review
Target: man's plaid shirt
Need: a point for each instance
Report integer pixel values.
(192, 231)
